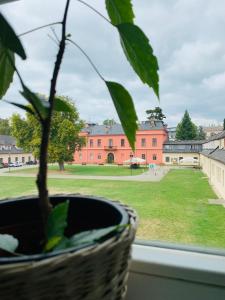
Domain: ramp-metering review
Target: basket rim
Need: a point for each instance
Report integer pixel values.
(46, 256)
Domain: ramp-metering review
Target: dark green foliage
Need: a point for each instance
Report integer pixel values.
(201, 134)
(8, 243)
(7, 58)
(155, 114)
(9, 39)
(40, 105)
(109, 122)
(57, 222)
(5, 128)
(120, 11)
(140, 54)
(88, 238)
(186, 129)
(125, 109)
(223, 124)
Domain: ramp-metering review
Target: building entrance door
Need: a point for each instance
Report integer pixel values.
(110, 158)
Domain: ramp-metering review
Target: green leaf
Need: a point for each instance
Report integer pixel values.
(24, 107)
(7, 58)
(57, 220)
(62, 105)
(88, 238)
(9, 39)
(125, 108)
(8, 243)
(140, 54)
(52, 243)
(39, 104)
(120, 11)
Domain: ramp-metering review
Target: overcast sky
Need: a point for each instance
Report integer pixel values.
(187, 37)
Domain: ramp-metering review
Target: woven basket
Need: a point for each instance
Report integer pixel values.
(95, 273)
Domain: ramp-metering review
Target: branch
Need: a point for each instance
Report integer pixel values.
(88, 58)
(40, 27)
(95, 10)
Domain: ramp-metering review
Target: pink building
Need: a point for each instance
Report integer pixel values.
(108, 144)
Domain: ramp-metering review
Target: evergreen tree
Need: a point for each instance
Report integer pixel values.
(201, 134)
(156, 114)
(186, 129)
(223, 124)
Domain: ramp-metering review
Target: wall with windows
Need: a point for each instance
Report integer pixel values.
(102, 149)
(174, 158)
(18, 157)
(215, 170)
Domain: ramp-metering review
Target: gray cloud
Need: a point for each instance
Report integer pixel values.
(187, 37)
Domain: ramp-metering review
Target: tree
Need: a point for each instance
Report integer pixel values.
(201, 135)
(64, 135)
(186, 129)
(223, 124)
(156, 114)
(4, 127)
(109, 122)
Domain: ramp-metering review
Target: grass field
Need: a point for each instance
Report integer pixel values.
(175, 209)
(89, 170)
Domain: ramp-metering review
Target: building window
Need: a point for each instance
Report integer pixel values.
(196, 157)
(80, 156)
(99, 143)
(91, 143)
(29, 159)
(154, 142)
(110, 142)
(99, 156)
(143, 156)
(167, 159)
(154, 157)
(180, 157)
(9, 160)
(143, 142)
(122, 142)
(91, 156)
(23, 160)
(16, 159)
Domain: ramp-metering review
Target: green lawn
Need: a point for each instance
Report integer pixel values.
(89, 170)
(175, 209)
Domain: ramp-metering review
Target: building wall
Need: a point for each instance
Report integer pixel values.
(215, 171)
(21, 157)
(93, 153)
(175, 157)
(214, 144)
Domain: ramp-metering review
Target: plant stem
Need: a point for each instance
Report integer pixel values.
(88, 58)
(40, 27)
(95, 10)
(46, 125)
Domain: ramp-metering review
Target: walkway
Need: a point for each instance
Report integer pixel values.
(149, 176)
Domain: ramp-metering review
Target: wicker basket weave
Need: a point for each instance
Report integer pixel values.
(95, 273)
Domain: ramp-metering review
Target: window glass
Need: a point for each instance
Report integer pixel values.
(143, 156)
(91, 143)
(154, 142)
(99, 142)
(122, 142)
(154, 157)
(143, 142)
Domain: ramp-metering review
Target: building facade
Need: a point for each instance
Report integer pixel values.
(108, 144)
(210, 131)
(182, 152)
(10, 153)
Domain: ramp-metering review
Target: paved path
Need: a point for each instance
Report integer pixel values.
(150, 175)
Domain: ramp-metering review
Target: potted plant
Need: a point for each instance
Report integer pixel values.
(69, 246)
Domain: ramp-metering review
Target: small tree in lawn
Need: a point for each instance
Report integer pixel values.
(186, 129)
(138, 52)
(64, 137)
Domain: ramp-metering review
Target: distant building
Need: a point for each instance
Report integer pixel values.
(212, 130)
(10, 153)
(108, 144)
(172, 133)
(182, 152)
